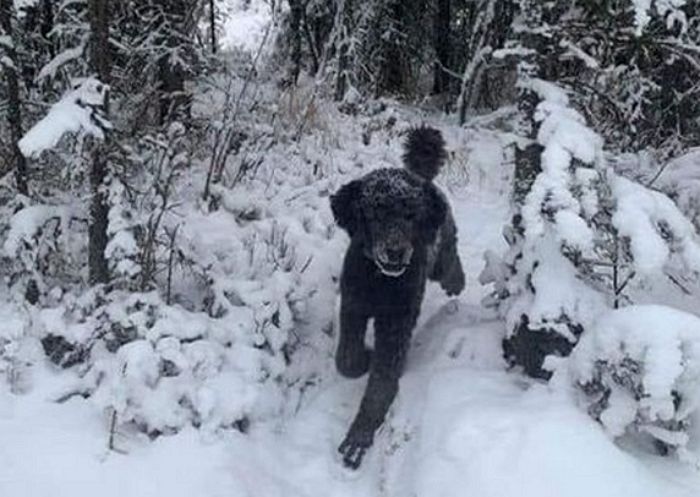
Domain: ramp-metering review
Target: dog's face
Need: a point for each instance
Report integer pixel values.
(392, 213)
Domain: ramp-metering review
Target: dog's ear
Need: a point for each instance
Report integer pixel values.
(344, 205)
(435, 211)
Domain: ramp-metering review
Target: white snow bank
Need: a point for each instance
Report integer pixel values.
(61, 450)
(488, 436)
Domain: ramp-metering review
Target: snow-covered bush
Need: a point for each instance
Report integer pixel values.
(40, 246)
(15, 351)
(639, 371)
(209, 303)
(581, 236)
(142, 218)
(162, 367)
(243, 288)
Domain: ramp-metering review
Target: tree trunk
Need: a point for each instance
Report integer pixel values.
(14, 114)
(527, 159)
(101, 63)
(392, 71)
(296, 13)
(174, 102)
(212, 26)
(345, 16)
(443, 48)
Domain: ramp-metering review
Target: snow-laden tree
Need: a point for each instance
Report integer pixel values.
(582, 234)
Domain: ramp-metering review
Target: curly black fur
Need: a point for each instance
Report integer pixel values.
(402, 233)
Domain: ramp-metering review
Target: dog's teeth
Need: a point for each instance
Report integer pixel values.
(393, 274)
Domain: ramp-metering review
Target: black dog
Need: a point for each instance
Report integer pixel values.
(402, 233)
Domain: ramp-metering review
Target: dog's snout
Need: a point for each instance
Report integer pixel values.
(395, 255)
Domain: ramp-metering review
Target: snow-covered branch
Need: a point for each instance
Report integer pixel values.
(80, 110)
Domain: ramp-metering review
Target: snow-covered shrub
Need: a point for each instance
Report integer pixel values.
(162, 367)
(249, 288)
(581, 236)
(43, 236)
(639, 371)
(15, 352)
(245, 290)
(39, 247)
(142, 222)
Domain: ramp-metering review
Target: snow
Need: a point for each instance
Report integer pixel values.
(23, 4)
(26, 223)
(6, 41)
(641, 214)
(666, 9)
(460, 422)
(665, 342)
(565, 137)
(559, 293)
(78, 110)
(60, 450)
(641, 15)
(68, 55)
(244, 23)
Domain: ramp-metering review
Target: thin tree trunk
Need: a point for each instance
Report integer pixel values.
(392, 76)
(101, 63)
(296, 11)
(313, 51)
(47, 25)
(14, 113)
(212, 26)
(174, 102)
(345, 20)
(443, 48)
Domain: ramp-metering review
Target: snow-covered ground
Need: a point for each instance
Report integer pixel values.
(461, 425)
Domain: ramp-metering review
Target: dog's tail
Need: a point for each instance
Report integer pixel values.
(424, 152)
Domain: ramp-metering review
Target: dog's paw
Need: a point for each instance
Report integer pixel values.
(353, 364)
(354, 447)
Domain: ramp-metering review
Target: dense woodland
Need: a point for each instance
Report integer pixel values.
(163, 199)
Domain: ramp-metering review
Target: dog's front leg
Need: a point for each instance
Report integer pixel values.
(391, 344)
(448, 268)
(352, 357)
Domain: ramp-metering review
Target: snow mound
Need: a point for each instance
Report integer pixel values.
(640, 369)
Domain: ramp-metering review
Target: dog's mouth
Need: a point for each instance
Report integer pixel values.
(393, 270)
